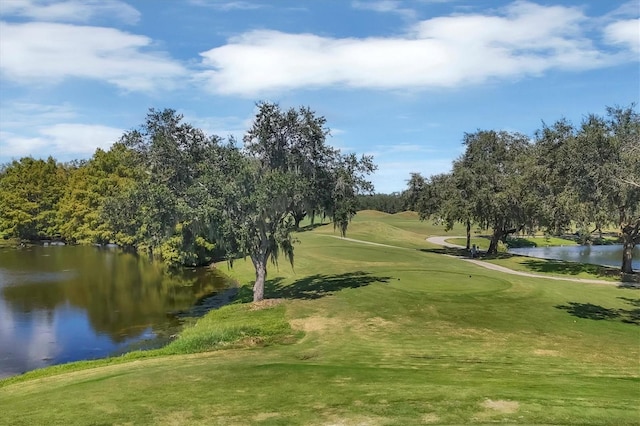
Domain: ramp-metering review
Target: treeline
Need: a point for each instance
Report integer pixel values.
(388, 203)
(585, 176)
(172, 191)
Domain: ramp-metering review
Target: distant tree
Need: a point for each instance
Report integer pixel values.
(413, 195)
(550, 177)
(604, 170)
(492, 175)
(90, 185)
(30, 190)
(442, 197)
(349, 180)
(388, 203)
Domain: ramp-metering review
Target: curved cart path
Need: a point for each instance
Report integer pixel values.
(442, 242)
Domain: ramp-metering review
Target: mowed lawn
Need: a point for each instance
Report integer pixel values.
(370, 335)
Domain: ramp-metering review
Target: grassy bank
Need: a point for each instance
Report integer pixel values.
(369, 334)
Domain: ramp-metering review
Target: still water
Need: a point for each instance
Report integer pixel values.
(608, 255)
(62, 304)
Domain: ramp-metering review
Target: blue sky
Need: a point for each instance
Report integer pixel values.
(400, 80)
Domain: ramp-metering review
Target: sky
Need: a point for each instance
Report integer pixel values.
(402, 80)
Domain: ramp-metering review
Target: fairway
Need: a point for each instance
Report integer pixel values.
(369, 335)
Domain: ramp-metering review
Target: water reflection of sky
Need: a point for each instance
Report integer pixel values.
(62, 304)
(27, 340)
(40, 338)
(606, 255)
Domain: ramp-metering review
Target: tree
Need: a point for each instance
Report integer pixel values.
(492, 175)
(550, 174)
(284, 167)
(90, 184)
(388, 203)
(162, 213)
(414, 194)
(349, 181)
(606, 163)
(442, 197)
(29, 194)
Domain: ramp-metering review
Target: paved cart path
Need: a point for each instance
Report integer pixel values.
(441, 241)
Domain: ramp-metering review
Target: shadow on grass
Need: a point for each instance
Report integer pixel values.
(569, 268)
(599, 313)
(448, 250)
(463, 252)
(312, 287)
(310, 227)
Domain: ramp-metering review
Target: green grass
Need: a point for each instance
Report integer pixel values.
(369, 335)
(560, 268)
(483, 241)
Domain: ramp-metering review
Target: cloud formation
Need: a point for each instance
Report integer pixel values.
(78, 11)
(70, 140)
(47, 53)
(523, 39)
(624, 32)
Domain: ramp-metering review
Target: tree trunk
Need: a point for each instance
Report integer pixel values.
(630, 237)
(493, 246)
(260, 264)
(468, 234)
(627, 255)
(297, 218)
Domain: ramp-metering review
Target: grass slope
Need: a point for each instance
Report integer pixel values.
(370, 335)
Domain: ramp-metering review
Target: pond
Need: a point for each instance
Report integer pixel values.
(62, 304)
(606, 255)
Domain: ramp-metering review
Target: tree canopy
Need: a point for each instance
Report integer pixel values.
(284, 172)
(584, 176)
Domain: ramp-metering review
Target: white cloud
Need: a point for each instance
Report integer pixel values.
(21, 114)
(45, 53)
(385, 6)
(625, 32)
(524, 39)
(228, 5)
(70, 10)
(70, 140)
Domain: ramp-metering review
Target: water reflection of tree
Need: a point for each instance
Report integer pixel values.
(122, 294)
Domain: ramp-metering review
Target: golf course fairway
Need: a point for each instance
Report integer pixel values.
(392, 333)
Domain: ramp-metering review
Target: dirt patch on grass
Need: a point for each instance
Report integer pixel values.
(364, 325)
(322, 324)
(264, 304)
(336, 420)
(501, 406)
(265, 416)
(378, 322)
(176, 418)
(316, 323)
(430, 418)
(546, 352)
